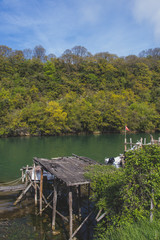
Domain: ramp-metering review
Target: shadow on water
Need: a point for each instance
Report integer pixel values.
(22, 221)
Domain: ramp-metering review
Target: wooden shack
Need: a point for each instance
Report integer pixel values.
(66, 171)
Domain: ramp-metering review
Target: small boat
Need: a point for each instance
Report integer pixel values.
(116, 161)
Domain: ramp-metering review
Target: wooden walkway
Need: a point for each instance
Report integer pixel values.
(15, 188)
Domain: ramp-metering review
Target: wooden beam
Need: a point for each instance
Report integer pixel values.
(22, 194)
(41, 192)
(54, 207)
(101, 217)
(98, 214)
(70, 213)
(71, 237)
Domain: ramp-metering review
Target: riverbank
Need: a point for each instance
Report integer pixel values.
(38, 134)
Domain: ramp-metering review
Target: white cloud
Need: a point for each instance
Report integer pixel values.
(148, 11)
(98, 25)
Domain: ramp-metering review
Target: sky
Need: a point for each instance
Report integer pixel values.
(121, 27)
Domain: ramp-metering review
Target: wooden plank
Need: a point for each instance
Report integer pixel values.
(12, 188)
(22, 194)
(68, 169)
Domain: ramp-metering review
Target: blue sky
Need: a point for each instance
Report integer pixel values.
(122, 27)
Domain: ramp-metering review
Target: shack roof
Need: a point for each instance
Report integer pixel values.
(68, 169)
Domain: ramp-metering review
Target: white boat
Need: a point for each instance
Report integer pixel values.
(116, 161)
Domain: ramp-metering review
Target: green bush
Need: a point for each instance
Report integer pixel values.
(125, 195)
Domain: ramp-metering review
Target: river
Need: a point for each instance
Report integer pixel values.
(21, 223)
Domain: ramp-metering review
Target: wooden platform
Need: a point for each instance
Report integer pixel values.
(70, 170)
(12, 188)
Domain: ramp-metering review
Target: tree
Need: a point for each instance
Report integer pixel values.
(39, 53)
(142, 117)
(28, 53)
(5, 51)
(50, 57)
(105, 55)
(80, 51)
(55, 119)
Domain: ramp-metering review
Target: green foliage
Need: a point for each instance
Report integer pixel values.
(125, 194)
(105, 92)
(143, 230)
(142, 169)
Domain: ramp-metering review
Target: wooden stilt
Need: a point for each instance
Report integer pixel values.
(35, 185)
(98, 214)
(101, 217)
(22, 176)
(41, 192)
(125, 144)
(79, 202)
(26, 175)
(130, 142)
(70, 214)
(22, 194)
(71, 237)
(54, 207)
(89, 190)
(151, 207)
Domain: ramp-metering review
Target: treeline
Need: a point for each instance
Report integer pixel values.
(78, 92)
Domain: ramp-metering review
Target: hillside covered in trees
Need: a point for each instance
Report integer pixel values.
(78, 92)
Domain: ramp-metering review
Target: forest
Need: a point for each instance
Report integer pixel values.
(78, 92)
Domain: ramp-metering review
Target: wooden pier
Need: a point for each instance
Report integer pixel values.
(49, 178)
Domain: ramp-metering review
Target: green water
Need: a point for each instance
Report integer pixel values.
(21, 223)
(18, 152)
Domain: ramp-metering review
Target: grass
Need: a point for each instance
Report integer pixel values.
(143, 230)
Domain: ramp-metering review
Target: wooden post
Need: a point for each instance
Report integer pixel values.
(130, 142)
(125, 144)
(26, 175)
(71, 237)
(35, 185)
(54, 207)
(151, 207)
(70, 214)
(125, 140)
(41, 192)
(22, 175)
(89, 197)
(79, 202)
